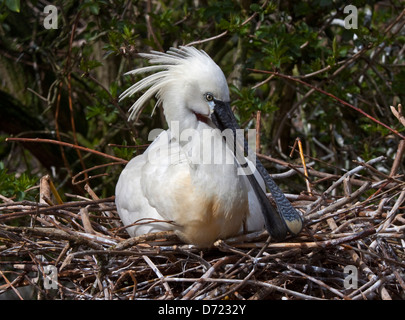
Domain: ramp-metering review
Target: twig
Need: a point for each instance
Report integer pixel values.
(392, 212)
(69, 85)
(341, 202)
(398, 158)
(398, 114)
(159, 274)
(370, 275)
(49, 209)
(258, 127)
(311, 245)
(195, 287)
(298, 141)
(318, 282)
(66, 144)
(146, 237)
(340, 181)
(248, 282)
(9, 284)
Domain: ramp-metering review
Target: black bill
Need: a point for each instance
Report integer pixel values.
(287, 219)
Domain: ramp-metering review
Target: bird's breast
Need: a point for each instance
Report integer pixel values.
(210, 208)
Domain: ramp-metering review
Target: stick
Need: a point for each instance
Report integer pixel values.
(250, 282)
(61, 143)
(159, 274)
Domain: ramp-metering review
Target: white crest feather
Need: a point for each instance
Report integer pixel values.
(163, 64)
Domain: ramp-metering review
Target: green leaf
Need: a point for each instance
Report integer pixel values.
(93, 111)
(334, 47)
(87, 65)
(255, 7)
(13, 5)
(94, 8)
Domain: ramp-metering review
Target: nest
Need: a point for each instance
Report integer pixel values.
(352, 247)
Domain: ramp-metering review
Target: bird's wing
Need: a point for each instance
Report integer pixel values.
(138, 180)
(165, 176)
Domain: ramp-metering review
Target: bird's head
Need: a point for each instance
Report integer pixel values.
(186, 81)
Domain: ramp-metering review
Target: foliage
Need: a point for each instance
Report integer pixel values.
(65, 83)
(16, 187)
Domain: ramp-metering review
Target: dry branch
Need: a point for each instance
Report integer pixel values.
(95, 259)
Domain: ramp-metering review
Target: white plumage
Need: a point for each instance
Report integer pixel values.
(172, 185)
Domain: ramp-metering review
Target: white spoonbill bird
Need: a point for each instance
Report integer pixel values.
(192, 179)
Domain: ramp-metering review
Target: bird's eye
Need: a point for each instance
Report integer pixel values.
(209, 96)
